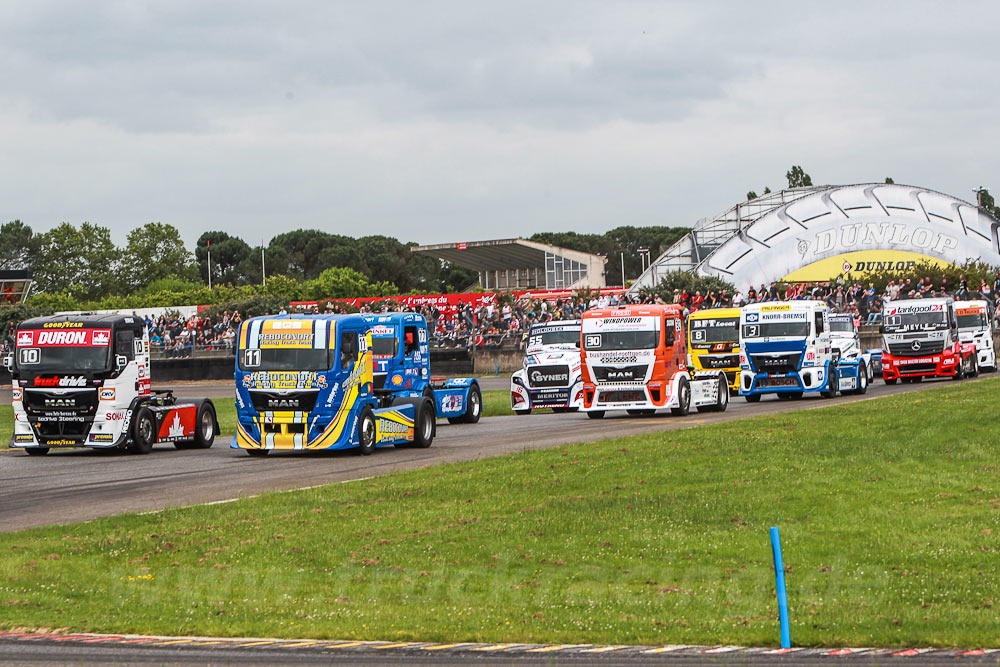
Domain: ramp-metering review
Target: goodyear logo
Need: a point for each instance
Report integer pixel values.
(61, 442)
(783, 306)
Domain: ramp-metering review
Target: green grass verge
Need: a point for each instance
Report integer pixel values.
(6, 425)
(889, 511)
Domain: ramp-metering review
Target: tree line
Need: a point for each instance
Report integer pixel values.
(84, 264)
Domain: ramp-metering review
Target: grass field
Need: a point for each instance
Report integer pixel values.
(889, 511)
(495, 404)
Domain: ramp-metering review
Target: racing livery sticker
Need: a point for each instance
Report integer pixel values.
(64, 338)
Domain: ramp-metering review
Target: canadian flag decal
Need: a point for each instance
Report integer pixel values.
(25, 338)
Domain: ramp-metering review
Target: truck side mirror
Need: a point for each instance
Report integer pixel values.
(121, 361)
(8, 362)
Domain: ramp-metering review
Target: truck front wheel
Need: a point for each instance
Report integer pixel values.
(862, 380)
(752, 398)
(36, 451)
(423, 424)
(596, 414)
(683, 398)
(366, 431)
(143, 432)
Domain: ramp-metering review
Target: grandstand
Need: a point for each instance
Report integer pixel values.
(14, 286)
(518, 264)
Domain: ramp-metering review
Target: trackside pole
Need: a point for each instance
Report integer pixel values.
(779, 584)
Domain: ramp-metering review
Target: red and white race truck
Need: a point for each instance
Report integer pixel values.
(920, 339)
(83, 381)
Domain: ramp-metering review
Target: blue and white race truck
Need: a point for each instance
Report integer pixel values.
(846, 341)
(402, 367)
(550, 376)
(786, 349)
(305, 383)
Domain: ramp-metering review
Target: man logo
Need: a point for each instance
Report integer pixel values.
(283, 403)
(915, 346)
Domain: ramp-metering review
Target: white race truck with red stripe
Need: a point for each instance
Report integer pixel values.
(83, 381)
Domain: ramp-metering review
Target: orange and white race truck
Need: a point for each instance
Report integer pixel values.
(634, 359)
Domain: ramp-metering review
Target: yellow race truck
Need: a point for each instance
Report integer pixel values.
(713, 343)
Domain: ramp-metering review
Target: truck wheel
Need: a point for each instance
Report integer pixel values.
(473, 406)
(596, 414)
(258, 452)
(522, 412)
(366, 431)
(752, 398)
(975, 366)
(423, 425)
(889, 380)
(723, 398)
(683, 399)
(143, 432)
(862, 380)
(204, 430)
(831, 385)
(36, 451)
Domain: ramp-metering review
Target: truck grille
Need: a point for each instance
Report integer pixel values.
(719, 360)
(776, 363)
(297, 401)
(623, 374)
(548, 376)
(622, 396)
(83, 402)
(917, 369)
(926, 347)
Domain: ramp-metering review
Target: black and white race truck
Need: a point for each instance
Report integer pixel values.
(550, 376)
(83, 381)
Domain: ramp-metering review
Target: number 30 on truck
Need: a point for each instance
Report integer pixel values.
(635, 359)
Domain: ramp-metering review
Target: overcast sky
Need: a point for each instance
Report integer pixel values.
(450, 121)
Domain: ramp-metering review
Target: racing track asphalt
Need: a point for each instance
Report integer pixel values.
(82, 484)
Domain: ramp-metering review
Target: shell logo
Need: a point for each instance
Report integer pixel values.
(397, 379)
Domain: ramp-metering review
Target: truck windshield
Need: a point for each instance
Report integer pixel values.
(620, 340)
(775, 329)
(721, 330)
(928, 321)
(384, 346)
(845, 326)
(538, 338)
(971, 320)
(45, 360)
(285, 359)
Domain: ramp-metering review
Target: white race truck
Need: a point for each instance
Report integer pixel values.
(83, 381)
(551, 376)
(846, 341)
(976, 326)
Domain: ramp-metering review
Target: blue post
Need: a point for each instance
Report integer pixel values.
(779, 584)
(496, 367)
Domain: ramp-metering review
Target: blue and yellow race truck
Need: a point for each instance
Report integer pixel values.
(306, 383)
(400, 343)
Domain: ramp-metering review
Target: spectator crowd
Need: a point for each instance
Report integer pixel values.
(505, 323)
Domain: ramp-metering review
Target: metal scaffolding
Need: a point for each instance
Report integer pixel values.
(709, 233)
